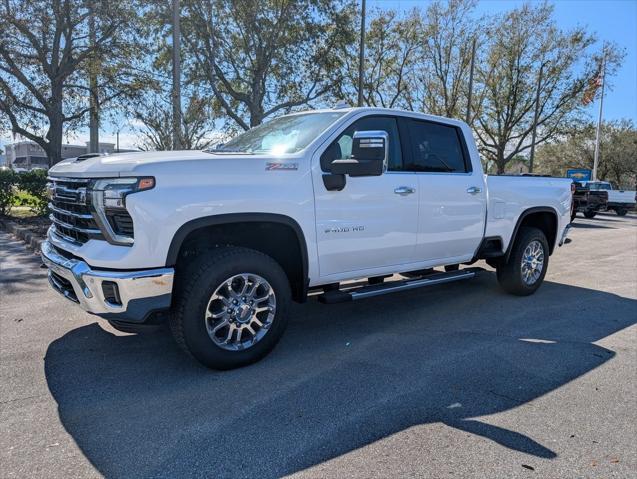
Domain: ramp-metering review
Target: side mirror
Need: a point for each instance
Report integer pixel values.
(369, 155)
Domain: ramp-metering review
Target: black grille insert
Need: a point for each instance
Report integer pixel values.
(62, 285)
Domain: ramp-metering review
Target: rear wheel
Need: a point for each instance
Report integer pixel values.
(621, 211)
(590, 214)
(231, 308)
(524, 272)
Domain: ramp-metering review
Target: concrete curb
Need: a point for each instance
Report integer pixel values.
(31, 240)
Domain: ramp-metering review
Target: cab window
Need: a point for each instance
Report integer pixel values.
(436, 148)
(341, 148)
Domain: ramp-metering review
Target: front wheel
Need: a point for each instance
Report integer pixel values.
(590, 214)
(621, 211)
(231, 307)
(524, 272)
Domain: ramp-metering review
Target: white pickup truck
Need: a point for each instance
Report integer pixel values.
(620, 201)
(223, 240)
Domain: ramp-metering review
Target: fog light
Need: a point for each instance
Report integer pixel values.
(111, 293)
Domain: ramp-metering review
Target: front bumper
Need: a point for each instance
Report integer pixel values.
(565, 239)
(140, 293)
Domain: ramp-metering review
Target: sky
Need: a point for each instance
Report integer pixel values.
(610, 20)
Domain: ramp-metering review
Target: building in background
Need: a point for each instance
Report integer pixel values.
(27, 155)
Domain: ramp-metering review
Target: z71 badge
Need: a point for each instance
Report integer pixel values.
(281, 166)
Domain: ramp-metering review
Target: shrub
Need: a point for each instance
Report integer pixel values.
(8, 180)
(34, 184)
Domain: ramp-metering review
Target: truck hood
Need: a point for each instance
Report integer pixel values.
(122, 164)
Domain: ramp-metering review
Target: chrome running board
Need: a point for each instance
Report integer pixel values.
(340, 296)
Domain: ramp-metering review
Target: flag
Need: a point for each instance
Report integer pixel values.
(593, 85)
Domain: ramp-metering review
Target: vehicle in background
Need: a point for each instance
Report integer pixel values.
(588, 201)
(619, 201)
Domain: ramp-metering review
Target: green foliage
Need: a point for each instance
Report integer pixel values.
(263, 58)
(8, 180)
(33, 183)
(617, 159)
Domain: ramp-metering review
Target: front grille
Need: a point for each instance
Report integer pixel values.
(70, 210)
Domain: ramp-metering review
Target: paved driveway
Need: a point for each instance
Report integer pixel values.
(458, 380)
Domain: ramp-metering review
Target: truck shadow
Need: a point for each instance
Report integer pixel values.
(578, 225)
(343, 377)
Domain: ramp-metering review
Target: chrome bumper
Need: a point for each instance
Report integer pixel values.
(139, 292)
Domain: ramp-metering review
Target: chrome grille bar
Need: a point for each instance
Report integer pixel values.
(70, 213)
(73, 220)
(88, 231)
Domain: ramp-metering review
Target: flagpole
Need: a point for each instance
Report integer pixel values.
(599, 119)
(361, 56)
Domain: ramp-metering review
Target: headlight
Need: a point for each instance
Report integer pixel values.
(109, 205)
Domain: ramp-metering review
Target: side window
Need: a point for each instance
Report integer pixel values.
(341, 148)
(435, 147)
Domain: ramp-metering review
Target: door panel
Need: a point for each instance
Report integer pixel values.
(373, 221)
(451, 221)
(366, 225)
(452, 198)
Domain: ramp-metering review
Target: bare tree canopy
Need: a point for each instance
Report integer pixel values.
(261, 58)
(157, 132)
(45, 54)
(522, 42)
(445, 57)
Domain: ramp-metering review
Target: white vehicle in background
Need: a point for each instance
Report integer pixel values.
(222, 240)
(621, 201)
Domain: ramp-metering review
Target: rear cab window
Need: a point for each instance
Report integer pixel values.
(436, 147)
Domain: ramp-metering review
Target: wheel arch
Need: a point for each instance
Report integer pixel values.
(278, 236)
(544, 218)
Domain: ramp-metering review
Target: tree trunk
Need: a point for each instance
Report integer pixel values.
(256, 115)
(54, 135)
(500, 161)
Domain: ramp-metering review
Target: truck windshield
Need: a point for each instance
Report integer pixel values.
(286, 134)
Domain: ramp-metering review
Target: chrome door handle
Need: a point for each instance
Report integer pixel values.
(404, 190)
(474, 190)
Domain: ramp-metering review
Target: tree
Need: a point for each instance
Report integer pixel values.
(391, 49)
(157, 129)
(618, 157)
(45, 58)
(445, 58)
(260, 58)
(522, 41)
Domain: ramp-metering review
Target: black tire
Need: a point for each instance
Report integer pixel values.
(621, 211)
(590, 214)
(196, 284)
(510, 273)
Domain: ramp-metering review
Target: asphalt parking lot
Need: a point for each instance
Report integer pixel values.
(458, 380)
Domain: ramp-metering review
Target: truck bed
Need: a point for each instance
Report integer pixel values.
(509, 196)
